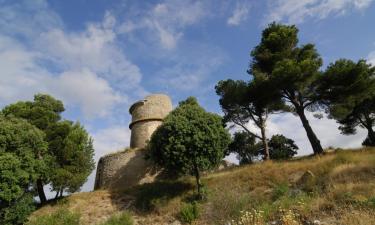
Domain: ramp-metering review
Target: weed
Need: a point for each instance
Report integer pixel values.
(123, 218)
(61, 217)
(189, 212)
(280, 190)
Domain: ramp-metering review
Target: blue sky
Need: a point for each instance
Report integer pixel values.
(99, 56)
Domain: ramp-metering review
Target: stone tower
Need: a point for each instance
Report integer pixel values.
(127, 168)
(147, 115)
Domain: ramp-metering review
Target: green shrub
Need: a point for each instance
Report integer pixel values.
(189, 212)
(61, 217)
(371, 202)
(123, 218)
(17, 212)
(280, 190)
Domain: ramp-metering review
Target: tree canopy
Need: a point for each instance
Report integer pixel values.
(70, 151)
(292, 70)
(189, 141)
(245, 146)
(242, 102)
(348, 90)
(282, 147)
(22, 146)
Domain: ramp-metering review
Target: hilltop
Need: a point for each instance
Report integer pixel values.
(337, 188)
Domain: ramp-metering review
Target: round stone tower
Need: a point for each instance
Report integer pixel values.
(147, 115)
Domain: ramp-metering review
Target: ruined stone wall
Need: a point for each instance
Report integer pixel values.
(124, 169)
(147, 115)
(128, 168)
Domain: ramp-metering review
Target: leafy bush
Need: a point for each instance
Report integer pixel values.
(123, 218)
(280, 190)
(61, 217)
(17, 212)
(189, 212)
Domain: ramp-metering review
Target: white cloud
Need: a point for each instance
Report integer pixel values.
(82, 68)
(239, 14)
(166, 21)
(95, 49)
(296, 11)
(371, 58)
(21, 77)
(325, 129)
(96, 99)
(110, 139)
(188, 72)
(27, 18)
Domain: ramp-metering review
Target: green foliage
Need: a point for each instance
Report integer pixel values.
(61, 217)
(70, 150)
(189, 141)
(123, 218)
(21, 146)
(18, 211)
(244, 145)
(282, 147)
(247, 149)
(242, 102)
(74, 152)
(189, 212)
(348, 89)
(42, 112)
(290, 70)
(280, 190)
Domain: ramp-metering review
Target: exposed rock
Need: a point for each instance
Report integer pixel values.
(307, 181)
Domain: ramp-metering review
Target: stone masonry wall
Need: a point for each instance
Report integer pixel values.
(128, 168)
(147, 115)
(124, 169)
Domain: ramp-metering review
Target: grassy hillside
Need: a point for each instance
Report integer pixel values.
(338, 188)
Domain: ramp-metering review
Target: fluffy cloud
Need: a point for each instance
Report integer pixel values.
(326, 130)
(189, 71)
(239, 14)
(371, 58)
(95, 49)
(27, 18)
(84, 68)
(166, 21)
(296, 11)
(22, 77)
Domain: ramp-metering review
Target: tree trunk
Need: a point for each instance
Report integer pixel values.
(42, 195)
(57, 194)
(371, 135)
(61, 192)
(264, 142)
(198, 181)
(314, 141)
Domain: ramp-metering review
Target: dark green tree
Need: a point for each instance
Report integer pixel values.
(22, 148)
(189, 141)
(69, 145)
(290, 69)
(348, 90)
(282, 147)
(245, 146)
(242, 102)
(73, 150)
(42, 113)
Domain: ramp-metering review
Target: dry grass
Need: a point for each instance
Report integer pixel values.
(341, 191)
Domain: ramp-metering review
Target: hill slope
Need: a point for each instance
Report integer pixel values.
(338, 188)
